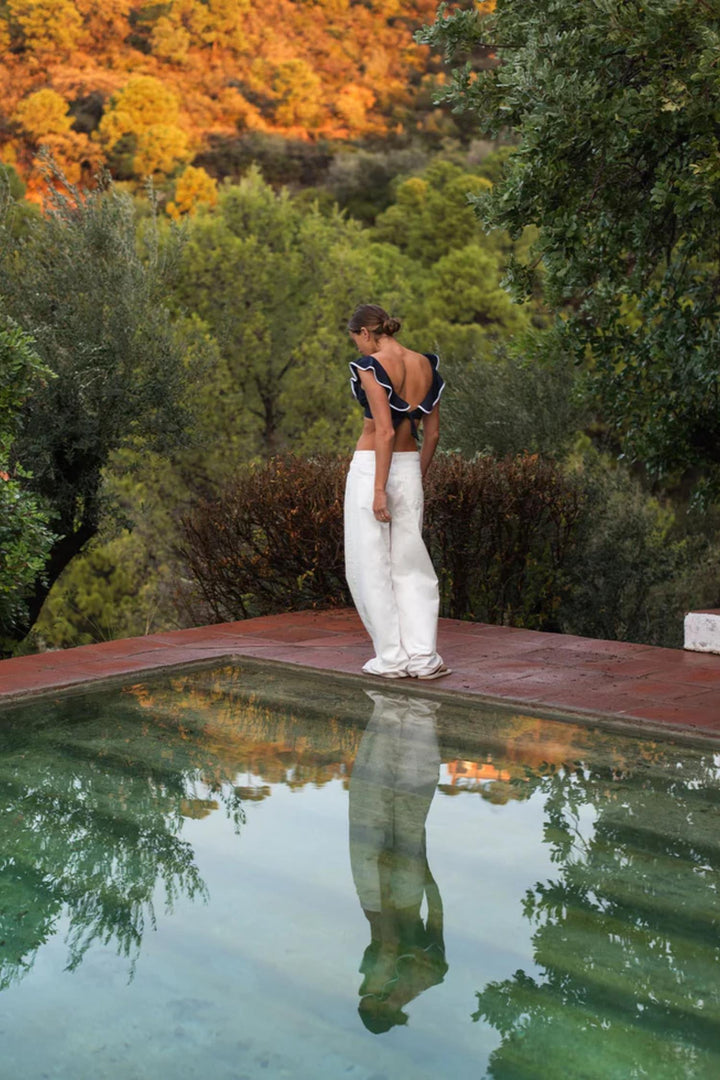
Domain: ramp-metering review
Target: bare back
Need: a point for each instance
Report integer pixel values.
(411, 376)
(410, 372)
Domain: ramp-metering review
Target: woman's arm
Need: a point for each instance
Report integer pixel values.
(431, 437)
(384, 440)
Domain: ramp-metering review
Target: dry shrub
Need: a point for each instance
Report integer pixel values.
(271, 541)
(499, 532)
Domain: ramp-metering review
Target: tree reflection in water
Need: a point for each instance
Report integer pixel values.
(94, 790)
(90, 827)
(627, 934)
(393, 782)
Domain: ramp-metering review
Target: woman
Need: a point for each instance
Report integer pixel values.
(394, 778)
(388, 569)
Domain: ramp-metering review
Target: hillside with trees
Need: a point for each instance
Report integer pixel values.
(152, 89)
(173, 362)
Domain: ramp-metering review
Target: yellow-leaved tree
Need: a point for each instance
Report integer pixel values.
(43, 113)
(299, 90)
(143, 121)
(46, 26)
(44, 117)
(170, 40)
(219, 23)
(193, 187)
(222, 23)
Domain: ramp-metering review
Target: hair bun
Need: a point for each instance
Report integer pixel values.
(391, 326)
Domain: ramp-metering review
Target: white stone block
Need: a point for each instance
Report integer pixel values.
(702, 631)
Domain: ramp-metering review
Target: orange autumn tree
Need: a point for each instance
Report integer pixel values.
(331, 69)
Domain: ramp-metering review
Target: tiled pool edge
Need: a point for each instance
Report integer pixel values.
(624, 686)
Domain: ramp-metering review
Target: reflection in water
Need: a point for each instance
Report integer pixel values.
(94, 791)
(88, 832)
(627, 934)
(624, 976)
(393, 781)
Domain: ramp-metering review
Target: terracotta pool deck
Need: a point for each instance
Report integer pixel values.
(632, 685)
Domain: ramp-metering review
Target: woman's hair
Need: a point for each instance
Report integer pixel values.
(373, 318)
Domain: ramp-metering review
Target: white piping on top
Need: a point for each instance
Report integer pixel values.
(355, 366)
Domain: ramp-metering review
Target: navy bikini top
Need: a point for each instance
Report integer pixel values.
(399, 408)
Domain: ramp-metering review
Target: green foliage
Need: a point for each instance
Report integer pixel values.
(97, 315)
(616, 108)
(12, 182)
(361, 180)
(14, 208)
(21, 371)
(628, 561)
(524, 399)
(100, 322)
(499, 533)
(457, 303)
(275, 280)
(125, 583)
(431, 214)
(25, 542)
(113, 589)
(25, 539)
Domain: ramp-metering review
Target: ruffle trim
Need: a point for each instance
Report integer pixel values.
(398, 404)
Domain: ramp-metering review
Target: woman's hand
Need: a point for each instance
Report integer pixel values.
(380, 507)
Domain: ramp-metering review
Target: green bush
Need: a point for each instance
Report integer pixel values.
(628, 560)
(25, 541)
(512, 404)
(116, 588)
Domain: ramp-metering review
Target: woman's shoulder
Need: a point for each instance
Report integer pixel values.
(371, 363)
(420, 358)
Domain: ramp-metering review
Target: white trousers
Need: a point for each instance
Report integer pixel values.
(393, 781)
(388, 569)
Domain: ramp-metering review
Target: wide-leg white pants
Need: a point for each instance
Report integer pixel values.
(394, 778)
(388, 569)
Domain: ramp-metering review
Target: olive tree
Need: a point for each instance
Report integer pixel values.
(94, 301)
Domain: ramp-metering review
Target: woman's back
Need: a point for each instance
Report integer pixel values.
(410, 372)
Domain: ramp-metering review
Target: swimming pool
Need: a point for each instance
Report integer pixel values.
(247, 872)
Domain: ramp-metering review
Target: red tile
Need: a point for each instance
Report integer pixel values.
(524, 667)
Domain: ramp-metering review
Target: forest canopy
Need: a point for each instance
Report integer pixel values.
(143, 88)
(307, 165)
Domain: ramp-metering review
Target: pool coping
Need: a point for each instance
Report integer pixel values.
(629, 687)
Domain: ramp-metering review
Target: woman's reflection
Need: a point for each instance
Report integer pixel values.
(393, 782)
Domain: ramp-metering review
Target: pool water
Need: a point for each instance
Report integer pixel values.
(241, 872)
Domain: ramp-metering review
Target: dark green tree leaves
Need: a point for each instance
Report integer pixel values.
(616, 105)
(94, 301)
